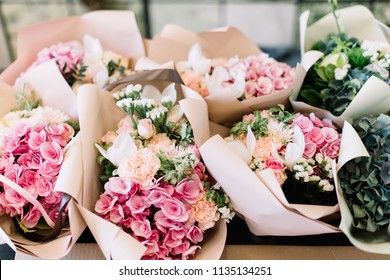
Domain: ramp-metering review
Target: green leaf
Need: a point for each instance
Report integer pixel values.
(23, 227)
(358, 211)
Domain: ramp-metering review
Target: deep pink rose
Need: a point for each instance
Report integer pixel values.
(274, 164)
(49, 170)
(310, 150)
(315, 120)
(141, 228)
(331, 149)
(105, 204)
(188, 190)
(31, 219)
(116, 214)
(22, 149)
(174, 210)
(52, 152)
(200, 170)
(316, 136)
(195, 235)
(36, 139)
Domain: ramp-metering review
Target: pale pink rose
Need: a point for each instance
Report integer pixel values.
(55, 129)
(279, 84)
(31, 219)
(248, 118)
(105, 204)
(195, 234)
(204, 212)
(330, 134)
(188, 190)
(190, 251)
(140, 167)
(281, 176)
(52, 152)
(250, 89)
(31, 160)
(174, 210)
(310, 150)
(316, 136)
(53, 198)
(141, 228)
(137, 204)
(331, 149)
(44, 186)
(126, 125)
(116, 214)
(265, 114)
(274, 71)
(109, 137)
(181, 249)
(13, 172)
(264, 86)
(68, 132)
(49, 170)
(303, 122)
(315, 120)
(11, 144)
(174, 237)
(21, 129)
(146, 128)
(251, 75)
(163, 222)
(36, 139)
(117, 185)
(6, 161)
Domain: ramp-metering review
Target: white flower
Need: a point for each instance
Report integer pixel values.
(93, 50)
(198, 62)
(336, 59)
(48, 115)
(278, 130)
(226, 213)
(216, 83)
(175, 114)
(151, 92)
(156, 112)
(341, 73)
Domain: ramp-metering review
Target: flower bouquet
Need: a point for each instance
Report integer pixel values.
(364, 186)
(352, 75)
(157, 193)
(101, 58)
(228, 70)
(40, 171)
(285, 164)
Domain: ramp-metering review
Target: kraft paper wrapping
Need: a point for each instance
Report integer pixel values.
(371, 242)
(53, 92)
(261, 200)
(358, 22)
(116, 30)
(99, 114)
(174, 44)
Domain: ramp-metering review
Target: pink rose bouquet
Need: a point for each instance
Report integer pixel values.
(298, 148)
(156, 187)
(33, 140)
(244, 77)
(85, 62)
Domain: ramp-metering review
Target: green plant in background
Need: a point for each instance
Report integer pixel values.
(366, 181)
(334, 81)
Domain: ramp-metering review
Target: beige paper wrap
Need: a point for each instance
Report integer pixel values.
(358, 22)
(174, 44)
(116, 30)
(99, 114)
(53, 91)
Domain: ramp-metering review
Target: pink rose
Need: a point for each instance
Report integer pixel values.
(137, 204)
(15, 200)
(316, 136)
(250, 89)
(21, 129)
(274, 164)
(330, 134)
(141, 228)
(181, 249)
(105, 204)
(11, 144)
(118, 185)
(195, 235)
(200, 170)
(190, 251)
(174, 237)
(44, 186)
(188, 190)
(310, 150)
(146, 128)
(157, 196)
(13, 172)
(249, 118)
(52, 152)
(5, 161)
(53, 198)
(274, 71)
(27, 181)
(303, 122)
(279, 84)
(331, 149)
(21, 149)
(31, 219)
(163, 222)
(174, 210)
(116, 214)
(68, 132)
(49, 170)
(36, 139)
(264, 85)
(31, 160)
(316, 121)
(55, 129)
(109, 137)
(3, 204)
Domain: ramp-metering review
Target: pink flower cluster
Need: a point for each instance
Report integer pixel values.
(67, 55)
(321, 136)
(168, 219)
(264, 75)
(31, 156)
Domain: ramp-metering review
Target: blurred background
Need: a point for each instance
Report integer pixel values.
(272, 25)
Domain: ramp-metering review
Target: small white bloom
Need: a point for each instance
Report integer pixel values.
(226, 213)
(137, 88)
(341, 73)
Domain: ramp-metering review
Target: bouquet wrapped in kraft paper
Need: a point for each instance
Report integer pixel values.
(41, 170)
(228, 70)
(98, 47)
(351, 61)
(277, 167)
(140, 139)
